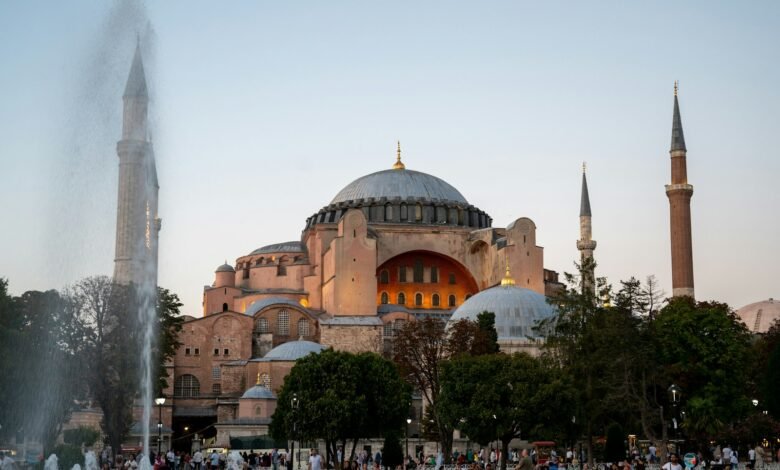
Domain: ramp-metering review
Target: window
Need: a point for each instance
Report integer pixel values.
(401, 298)
(384, 276)
(435, 300)
(262, 325)
(265, 379)
(388, 329)
(452, 278)
(385, 299)
(197, 351)
(402, 274)
(404, 213)
(418, 299)
(418, 271)
(246, 273)
(434, 274)
(451, 300)
(281, 270)
(226, 352)
(186, 386)
(283, 323)
(258, 410)
(186, 351)
(216, 351)
(398, 325)
(216, 389)
(303, 327)
(215, 373)
(418, 213)
(225, 307)
(388, 213)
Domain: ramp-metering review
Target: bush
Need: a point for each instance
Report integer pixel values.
(81, 435)
(69, 455)
(615, 450)
(392, 454)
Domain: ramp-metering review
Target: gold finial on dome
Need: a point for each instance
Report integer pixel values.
(507, 280)
(676, 84)
(258, 378)
(584, 167)
(398, 165)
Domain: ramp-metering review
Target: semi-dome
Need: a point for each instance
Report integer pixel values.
(517, 310)
(293, 350)
(225, 268)
(285, 247)
(759, 316)
(400, 183)
(259, 392)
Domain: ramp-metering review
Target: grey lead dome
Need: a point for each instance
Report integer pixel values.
(399, 183)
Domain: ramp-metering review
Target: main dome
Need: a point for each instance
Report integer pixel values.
(400, 183)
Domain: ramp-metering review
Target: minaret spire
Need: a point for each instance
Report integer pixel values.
(679, 193)
(398, 165)
(586, 244)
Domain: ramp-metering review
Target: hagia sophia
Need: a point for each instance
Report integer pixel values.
(390, 247)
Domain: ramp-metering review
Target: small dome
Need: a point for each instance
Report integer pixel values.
(293, 350)
(517, 310)
(285, 247)
(225, 268)
(760, 316)
(399, 183)
(259, 392)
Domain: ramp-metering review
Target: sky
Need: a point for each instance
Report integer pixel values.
(262, 111)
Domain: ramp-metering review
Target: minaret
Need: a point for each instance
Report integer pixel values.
(137, 225)
(586, 244)
(679, 193)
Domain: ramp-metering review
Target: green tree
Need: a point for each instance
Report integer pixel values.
(486, 323)
(392, 453)
(341, 397)
(615, 449)
(502, 397)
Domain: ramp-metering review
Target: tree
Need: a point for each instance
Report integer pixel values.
(341, 397)
(487, 337)
(392, 453)
(615, 450)
(502, 397)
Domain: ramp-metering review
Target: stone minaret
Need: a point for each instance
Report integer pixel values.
(679, 193)
(586, 244)
(137, 225)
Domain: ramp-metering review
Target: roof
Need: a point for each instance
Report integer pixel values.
(352, 320)
(225, 268)
(259, 305)
(399, 184)
(284, 247)
(678, 139)
(293, 350)
(136, 79)
(760, 316)
(517, 310)
(259, 392)
(584, 198)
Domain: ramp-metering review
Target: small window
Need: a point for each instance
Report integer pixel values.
(401, 298)
(262, 325)
(435, 300)
(434, 274)
(186, 351)
(225, 307)
(216, 389)
(281, 270)
(216, 351)
(197, 351)
(303, 327)
(388, 213)
(226, 352)
(451, 300)
(452, 278)
(418, 299)
(404, 214)
(402, 274)
(258, 410)
(388, 329)
(385, 299)
(418, 213)
(215, 373)
(246, 273)
(418, 271)
(384, 276)
(283, 323)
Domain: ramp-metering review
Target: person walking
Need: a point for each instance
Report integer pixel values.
(197, 460)
(275, 459)
(525, 461)
(673, 463)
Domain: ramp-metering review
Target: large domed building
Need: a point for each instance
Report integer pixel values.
(392, 246)
(760, 316)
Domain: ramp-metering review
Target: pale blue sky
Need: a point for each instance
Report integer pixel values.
(263, 111)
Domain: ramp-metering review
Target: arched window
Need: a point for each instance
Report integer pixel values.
(259, 261)
(401, 298)
(404, 213)
(435, 300)
(402, 273)
(388, 213)
(388, 329)
(451, 300)
(303, 327)
(225, 307)
(262, 325)
(186, 385)
(384, 276)
(418, 212)
(452, 278)
(434, 274)
(283, 323)
(418, 299)
(258, 410)
(281, 270)
(418, 271)
(385, 299)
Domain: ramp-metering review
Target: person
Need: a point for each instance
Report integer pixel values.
(752, 457)
(651, 456)
(170, 459)
(214, 460)
(378, 460)
(734, 460)
(275, 459)
(760, 457)
(6, 462)
(672, 464)
(439, 460)
(639, 464)
(315, 460)
(525, 461)
(197, 460)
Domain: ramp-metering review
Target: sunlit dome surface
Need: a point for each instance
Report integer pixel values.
(760, 316)
(399, 183)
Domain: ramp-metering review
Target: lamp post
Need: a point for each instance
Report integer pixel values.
(294, 407)
(408, 422)
(160, 402)
(674, 395)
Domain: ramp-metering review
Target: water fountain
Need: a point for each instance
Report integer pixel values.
(90, 461)
(51, 463)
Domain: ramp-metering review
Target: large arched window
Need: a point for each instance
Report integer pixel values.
(283, 323)
(303, 327)
(452, 278)
(186, 385)
(262, 325)
(418, 213)
(401, 298)
(418, 299)
(418, 271)
(434, 274)
(451, 300)
(388, 213)
(435, 300)
(384, 276)
(385, 299)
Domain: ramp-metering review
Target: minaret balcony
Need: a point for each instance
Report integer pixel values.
(679, 188)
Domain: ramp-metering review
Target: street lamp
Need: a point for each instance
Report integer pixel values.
(755, 402)
(674, 395)
(408, 422)
(294, 406)
(160, 402)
